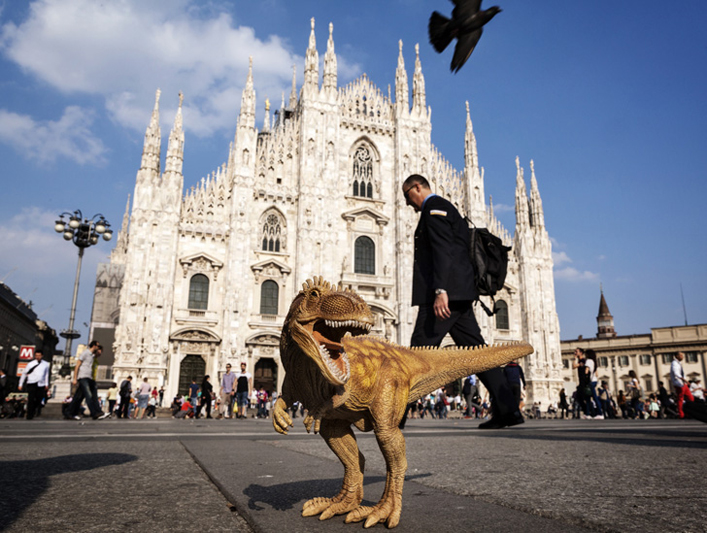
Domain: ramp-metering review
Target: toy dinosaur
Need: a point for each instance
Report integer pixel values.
(344, 377)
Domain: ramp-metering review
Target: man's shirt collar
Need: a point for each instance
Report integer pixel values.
(425, 200)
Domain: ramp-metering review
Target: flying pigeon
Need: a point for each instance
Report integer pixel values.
(466, 25)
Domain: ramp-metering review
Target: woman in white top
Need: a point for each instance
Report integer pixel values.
(590, 365)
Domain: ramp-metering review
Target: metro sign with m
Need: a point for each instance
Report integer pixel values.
(26, 353)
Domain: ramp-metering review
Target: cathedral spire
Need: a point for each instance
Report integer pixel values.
(293, 92)
(175, 148)
(474, 176)
(266, 118)
(605, 322)
(401, 82)
(522, 215)
(311, 66)
(536, 204)
(329, 84)
(246, 118)
(153, 140)
(419, 102)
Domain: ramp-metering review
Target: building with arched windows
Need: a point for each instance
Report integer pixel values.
(315, 190)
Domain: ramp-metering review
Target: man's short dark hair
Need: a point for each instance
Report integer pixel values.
(94, 343)
(129, 377)
(414, 179)
(38, 352)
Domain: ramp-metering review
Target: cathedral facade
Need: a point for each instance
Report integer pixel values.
(209, 273)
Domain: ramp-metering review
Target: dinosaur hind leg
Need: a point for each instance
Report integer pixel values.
(342, 441)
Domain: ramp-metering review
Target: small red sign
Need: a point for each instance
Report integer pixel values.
(21, 368)
(26, 353)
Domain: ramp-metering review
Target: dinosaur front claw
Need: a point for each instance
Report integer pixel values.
(310, 421)
(281, 420)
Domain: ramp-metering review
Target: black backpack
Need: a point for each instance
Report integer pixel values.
(490, 259)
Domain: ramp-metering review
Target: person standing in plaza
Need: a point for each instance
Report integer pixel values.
(85, 383)
(227, 391)
(582, 382)
(194, 397)
(444, 291)
(112, 398)
(36, 375)
(470, 390)
(593, 407)
(207, 391)
(563, 405)
(143, 397)
(516, 379)
(635, 394)
(125, 392)
(680, 384)
(161, 393)
(243, 388)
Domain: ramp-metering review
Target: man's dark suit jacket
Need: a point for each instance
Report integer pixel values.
(442, 259)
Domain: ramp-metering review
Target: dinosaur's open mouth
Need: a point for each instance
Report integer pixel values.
(328, 334)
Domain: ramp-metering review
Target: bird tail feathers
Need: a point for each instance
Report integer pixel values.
(440, 35)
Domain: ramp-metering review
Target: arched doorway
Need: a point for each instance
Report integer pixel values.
(191, 367)
(265, 374)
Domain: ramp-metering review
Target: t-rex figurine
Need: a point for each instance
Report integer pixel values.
(344, 377)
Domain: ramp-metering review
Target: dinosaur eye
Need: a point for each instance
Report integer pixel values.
(314, 293)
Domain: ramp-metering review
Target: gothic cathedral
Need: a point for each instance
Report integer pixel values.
(208, 274)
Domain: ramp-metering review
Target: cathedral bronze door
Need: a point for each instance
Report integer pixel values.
(265, 374)
(191, 367)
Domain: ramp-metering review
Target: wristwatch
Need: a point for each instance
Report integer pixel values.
(440, 291)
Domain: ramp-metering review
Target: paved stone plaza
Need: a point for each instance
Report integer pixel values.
(232, 475)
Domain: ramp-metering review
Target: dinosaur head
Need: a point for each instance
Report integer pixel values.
(319, 317)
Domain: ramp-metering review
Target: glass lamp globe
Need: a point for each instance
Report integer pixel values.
(68, 235)
(59, 226)
(100, 227)
(74, 222)
(107, 235)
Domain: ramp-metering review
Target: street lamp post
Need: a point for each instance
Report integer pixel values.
(84, 233)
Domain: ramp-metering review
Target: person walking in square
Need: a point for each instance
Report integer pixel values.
(85, 383)
(682, 387)
(36, 376)
(444, 291)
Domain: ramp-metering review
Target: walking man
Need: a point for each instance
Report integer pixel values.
(443, 288)
(470, 390)
(677, 378)
(227, 392)
(86, 385)
(36, 375)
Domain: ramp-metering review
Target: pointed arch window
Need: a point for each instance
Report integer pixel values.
(198, 292)
(269, 293)
(502, 321)
(272, 233)
(364, 256)
(363, 172)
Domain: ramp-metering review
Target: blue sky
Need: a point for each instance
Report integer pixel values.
(607, 98)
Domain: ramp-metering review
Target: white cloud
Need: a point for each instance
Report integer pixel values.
(572, 274)
(45, 141)
(503, 208)
(125, 50)
(560, 258)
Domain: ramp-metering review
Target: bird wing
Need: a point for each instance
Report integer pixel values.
(465, 8)
(465, 46)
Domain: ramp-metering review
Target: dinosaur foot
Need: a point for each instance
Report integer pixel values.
(385, 511)
(329, 507)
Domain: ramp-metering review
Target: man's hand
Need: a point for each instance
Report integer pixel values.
(441, 306)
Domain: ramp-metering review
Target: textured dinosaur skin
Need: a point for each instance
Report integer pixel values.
(344, 377)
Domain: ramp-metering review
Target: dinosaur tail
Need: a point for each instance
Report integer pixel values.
(449, 364)
(439, 31)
